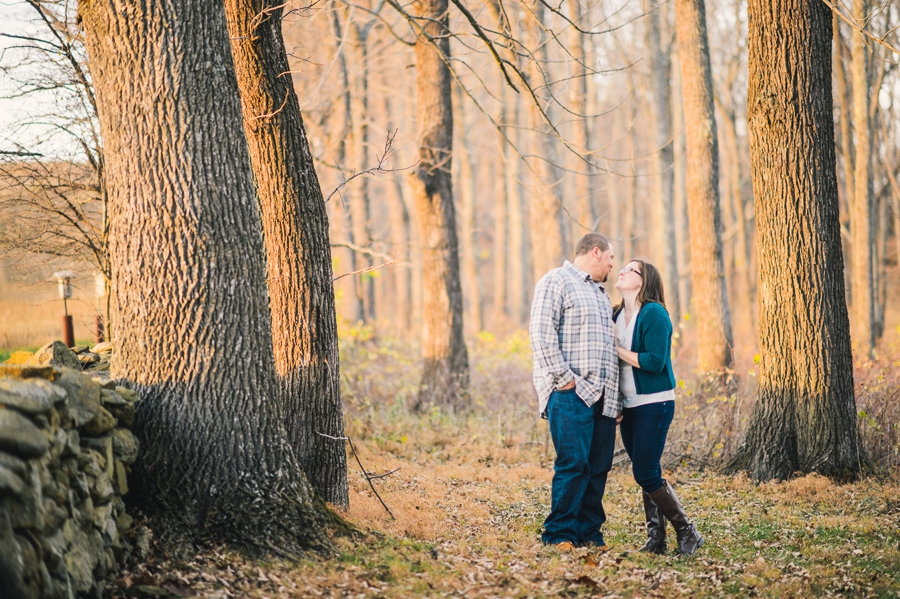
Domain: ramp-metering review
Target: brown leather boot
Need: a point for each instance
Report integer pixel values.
(688, 537)
(656, 527)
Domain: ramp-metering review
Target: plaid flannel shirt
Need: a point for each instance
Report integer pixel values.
(573, 337)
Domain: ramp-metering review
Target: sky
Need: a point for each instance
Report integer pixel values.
(16, 19)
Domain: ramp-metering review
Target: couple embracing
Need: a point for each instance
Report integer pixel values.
(596, 366)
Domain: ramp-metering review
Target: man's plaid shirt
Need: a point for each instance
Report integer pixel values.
(573, 337)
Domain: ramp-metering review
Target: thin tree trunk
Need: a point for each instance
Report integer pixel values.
(682, 224)
(501, 221)
(862, 221)
(359, 195)
(845, 119)
(401, 304)
(298, 255)
(518, 260)
(416, 257)
(472, 291)
(400, 235)
(805, 417)
(714, 336)
(445, 376)
(743, 284)
(188, 265)
(578, 99)
(664, 176)
(352, 306)
(548, 246)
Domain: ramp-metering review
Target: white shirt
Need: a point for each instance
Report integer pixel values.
(625, 334)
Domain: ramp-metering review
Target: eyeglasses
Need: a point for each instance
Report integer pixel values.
(629, 269)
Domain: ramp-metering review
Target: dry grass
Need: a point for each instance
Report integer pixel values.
(472, 490)
(31, 315)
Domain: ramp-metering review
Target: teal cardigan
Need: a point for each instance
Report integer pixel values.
(652, 342)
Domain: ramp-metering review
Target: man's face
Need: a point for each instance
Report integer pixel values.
(603, 264)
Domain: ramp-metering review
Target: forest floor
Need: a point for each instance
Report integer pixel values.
(469, 505)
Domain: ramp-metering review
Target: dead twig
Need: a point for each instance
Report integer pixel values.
(391, 262)
(369, 477)
(380, 169)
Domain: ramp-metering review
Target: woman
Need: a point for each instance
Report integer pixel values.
(647, 383)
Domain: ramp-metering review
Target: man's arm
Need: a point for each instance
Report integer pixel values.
(546, 315)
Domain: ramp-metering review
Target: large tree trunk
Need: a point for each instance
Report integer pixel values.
(445, 376)
(664, 176)
(298, 256)
(862, 220)
(188, 267)
(710, 296)
(805, 417)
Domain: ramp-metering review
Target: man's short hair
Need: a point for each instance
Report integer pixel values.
(589, 242)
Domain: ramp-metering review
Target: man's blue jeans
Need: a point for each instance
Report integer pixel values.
(644, 432)
(584, 440)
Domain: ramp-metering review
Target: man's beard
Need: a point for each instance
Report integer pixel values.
(605, 277)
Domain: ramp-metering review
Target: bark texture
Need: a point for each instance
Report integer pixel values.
(710, 294)
(805, 417)
(298, 256)
(445, 375)
(188, 268)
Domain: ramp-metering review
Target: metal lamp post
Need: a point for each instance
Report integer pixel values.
(64, 279)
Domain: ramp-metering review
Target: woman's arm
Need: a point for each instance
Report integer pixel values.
(628, 356)
(657, 335)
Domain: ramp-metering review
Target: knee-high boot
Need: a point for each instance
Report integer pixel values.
(688, 537)
(656, 527)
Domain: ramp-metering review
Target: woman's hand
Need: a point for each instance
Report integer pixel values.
(629, 357)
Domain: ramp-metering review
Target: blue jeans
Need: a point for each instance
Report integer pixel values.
(584, 440)
(644, 430)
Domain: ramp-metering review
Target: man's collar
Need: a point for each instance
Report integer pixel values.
(578, 272)
(583, 275)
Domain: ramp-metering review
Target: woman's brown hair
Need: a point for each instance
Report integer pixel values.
(651, 290)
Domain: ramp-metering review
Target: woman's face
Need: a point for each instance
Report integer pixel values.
(630, 277)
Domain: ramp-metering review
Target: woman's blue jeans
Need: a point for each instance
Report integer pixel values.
(584, 440)
(644, 430)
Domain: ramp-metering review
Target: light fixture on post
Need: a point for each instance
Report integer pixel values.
(100, 292)
(64, 279)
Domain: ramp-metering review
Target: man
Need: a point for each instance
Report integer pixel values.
(576, 374)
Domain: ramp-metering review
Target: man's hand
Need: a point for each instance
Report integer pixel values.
(619, 418)
(571, 385)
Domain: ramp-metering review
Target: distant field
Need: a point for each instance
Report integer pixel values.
(31, 315)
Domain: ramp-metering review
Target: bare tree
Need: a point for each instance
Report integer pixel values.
(52, 180)
(805, 417)
(862, 221)
(188, 263)
(445, 375)
(714, 337)
(298, 256)
(663, 177)
(472, 286)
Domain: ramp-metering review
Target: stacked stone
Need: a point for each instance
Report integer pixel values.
(65, 453)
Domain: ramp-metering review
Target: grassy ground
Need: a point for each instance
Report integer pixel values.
(469, 507)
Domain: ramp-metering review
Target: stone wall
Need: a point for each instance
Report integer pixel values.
(65, 453)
